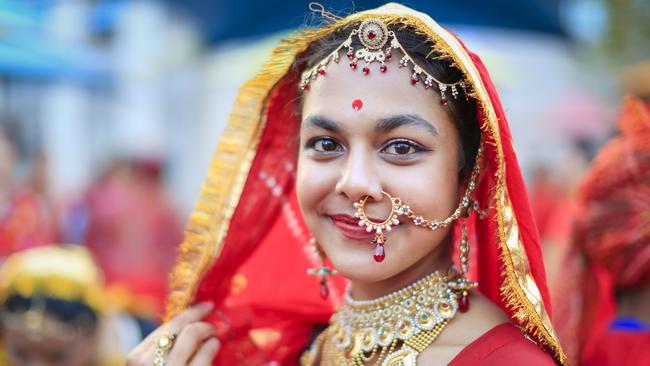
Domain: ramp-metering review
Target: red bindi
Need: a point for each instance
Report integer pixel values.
(357, 104)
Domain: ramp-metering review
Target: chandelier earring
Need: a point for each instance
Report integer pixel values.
(323, 271)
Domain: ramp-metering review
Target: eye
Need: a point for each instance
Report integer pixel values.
(324, 145)
(402, 148)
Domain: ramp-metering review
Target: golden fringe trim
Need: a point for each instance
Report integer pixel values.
(227, 174)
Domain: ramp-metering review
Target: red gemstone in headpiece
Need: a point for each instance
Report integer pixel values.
(365, 70)
(383, 68)
(353, 65)
(357, 104)
(389, 56)
(372, 34)
(414, 81)
(322, 71)
(444, 101)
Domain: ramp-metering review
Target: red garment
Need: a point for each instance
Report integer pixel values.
(502, 345)
(26, 221)
(246, 247)
(621, 348)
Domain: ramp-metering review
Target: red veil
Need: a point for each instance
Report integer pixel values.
(246, 247)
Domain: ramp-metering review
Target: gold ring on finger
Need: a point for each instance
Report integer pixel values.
(164, 344)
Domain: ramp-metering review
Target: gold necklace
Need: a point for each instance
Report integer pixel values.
(390, 330)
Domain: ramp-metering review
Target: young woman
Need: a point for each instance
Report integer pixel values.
(381, 137)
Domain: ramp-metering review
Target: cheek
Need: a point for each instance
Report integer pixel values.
(429, 188)
(314, 181)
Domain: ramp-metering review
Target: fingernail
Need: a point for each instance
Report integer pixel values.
(215, 343)
(206, 304)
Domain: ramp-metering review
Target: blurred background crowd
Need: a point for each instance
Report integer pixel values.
(110, 110)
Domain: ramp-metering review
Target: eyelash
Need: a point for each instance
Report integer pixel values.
(417, 147)
(311, 144)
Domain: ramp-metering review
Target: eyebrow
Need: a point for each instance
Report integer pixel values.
(321, 122)
(386, 125)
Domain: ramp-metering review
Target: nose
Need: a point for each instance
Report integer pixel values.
(359, 178)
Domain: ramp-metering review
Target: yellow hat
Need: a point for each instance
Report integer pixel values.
(65, 272)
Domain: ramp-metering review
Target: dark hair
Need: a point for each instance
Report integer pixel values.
(72, 313)
(462, 111)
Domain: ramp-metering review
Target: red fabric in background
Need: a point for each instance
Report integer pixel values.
(620, 348)
(26, 221)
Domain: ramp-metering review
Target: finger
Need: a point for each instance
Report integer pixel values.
(189, 315)
(189, 340)
(206, 353)
(145, 348)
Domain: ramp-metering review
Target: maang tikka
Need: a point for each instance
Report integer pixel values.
(378, 46)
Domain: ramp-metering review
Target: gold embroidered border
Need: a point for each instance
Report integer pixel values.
(227, 174)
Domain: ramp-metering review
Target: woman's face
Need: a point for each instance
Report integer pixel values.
(401, 141)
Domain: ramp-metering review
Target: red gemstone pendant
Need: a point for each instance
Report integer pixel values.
(379, 253)
(383, 68)
(463, 304)
(365, 70)
(372, 34)
(444, 101)
(324, 291)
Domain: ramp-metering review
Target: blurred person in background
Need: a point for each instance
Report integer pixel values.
(129, 218)
(54, 310)
(26, 219)
(613, 235)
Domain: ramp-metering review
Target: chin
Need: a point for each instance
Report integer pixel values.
(358, 264)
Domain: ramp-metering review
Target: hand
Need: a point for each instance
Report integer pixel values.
(195, 345)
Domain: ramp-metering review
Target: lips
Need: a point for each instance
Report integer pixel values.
(349, 227)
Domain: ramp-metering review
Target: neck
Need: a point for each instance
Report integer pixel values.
(371, 290)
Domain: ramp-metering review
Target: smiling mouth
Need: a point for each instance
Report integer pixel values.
(349, 227)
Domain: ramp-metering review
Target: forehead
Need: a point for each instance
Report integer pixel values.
(382, 93)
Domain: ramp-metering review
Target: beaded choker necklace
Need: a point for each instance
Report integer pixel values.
(390, 330)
